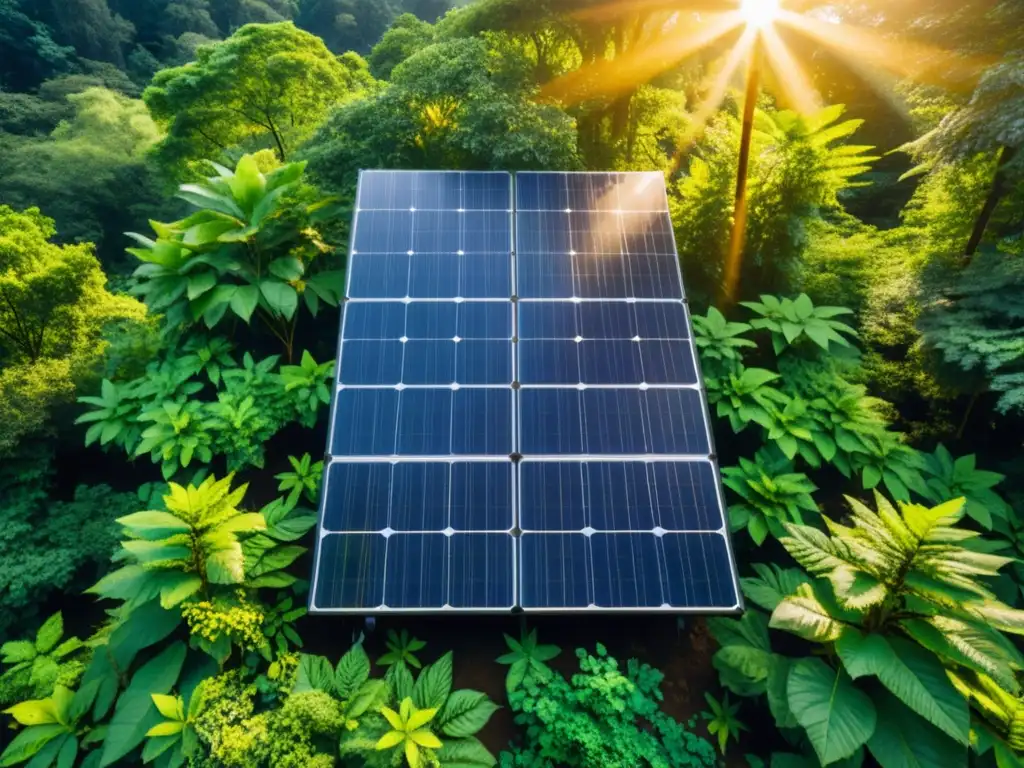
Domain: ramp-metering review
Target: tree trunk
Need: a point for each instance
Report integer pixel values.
(995, 196)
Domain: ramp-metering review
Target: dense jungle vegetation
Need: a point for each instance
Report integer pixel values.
(176, 186)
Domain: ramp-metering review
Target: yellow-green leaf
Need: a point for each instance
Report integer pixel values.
(425, 738)
(390, 739)
(419, 718)
(166, 728)
(393, 718)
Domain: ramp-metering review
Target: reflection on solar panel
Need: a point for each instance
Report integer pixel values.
(519, 421)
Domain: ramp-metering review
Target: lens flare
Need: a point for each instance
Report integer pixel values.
(760, 14)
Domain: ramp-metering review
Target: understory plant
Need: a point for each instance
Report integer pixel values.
(906, 643)
(204, 403)
(603, 716)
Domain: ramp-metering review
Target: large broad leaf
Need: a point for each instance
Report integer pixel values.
(913, 674)
(778, 695)
(154, 525)
(243, 302)
(136, 713)
(772, 585)
(465, 713)
(434, 684)
(315, 674)
(353, 670)
(280, 297)
(464, 753)
(903, 740)
(838, 718)
(804, 615)
(29, 742)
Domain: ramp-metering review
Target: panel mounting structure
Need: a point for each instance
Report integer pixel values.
(519, 422)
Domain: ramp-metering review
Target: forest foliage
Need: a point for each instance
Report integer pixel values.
(177, 179)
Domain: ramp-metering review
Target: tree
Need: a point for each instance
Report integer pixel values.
(28, 52)
(407, 36)
(91, 29)
(93, 171)
(347, 25)
(266, 85)
(449, 106)
(53, 308)
(992, 122)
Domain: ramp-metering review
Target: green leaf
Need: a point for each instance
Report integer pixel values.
(201, 283)
(464, 753)
(315, 674)
(50, 633)
(243, 302)
(371, 695)
(903, 740)
(913, 675)
(778, 696)
(136, 713)
(68, 752)
(288, 268)
(29, 742)
(465, 713)
(154, 525)
(353, 670)
(838, 718)
(400, 679)
(281, 297)
(17, 651)
(804, 615)
(434, 684)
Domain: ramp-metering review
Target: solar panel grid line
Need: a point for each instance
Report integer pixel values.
(656, 569)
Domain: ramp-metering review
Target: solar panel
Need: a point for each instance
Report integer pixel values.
(519, 422)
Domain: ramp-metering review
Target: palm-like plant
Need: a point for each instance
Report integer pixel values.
(240, 252)
(177, 553)
(304, 479)
(791, 320)
(720, 342)
(743, 395)
(949, 478)
(771, 493)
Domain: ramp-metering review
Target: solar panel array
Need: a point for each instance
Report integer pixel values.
(519, 422)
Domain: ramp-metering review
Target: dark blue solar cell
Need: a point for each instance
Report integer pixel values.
(545, 276)
(613, 422)
(364, 422)
(371, 363)
(482, 422)
(627, 570)
(383, 232)
(592, 191)
(647, 234)
(618, 496)
(485, 276)
(685, 495)
(386, 190)
(555, 571)
(676, 422)
(550, 422)
(480, 363)
(699, 572)
(429, 363)
(481, 570)
(667, 362)
(438, 190)
(541, 192)
(484, 320)
(416, 575)
(548, 320)
(607, 320)
(432, 320)
(481, 496)
(661, 320)
(543, 232)
(654, 277)
(378, 276)
(486, 232)
(372, 320)
(602, 277)
(436, 232)
(549, 362)
(350, 572)
(551, 496)
(419, 496)
(610, 362)
(487, 191)
(357, 497)
(434, 276)
(425, 423)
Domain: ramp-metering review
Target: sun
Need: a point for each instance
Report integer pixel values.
(760, 13)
